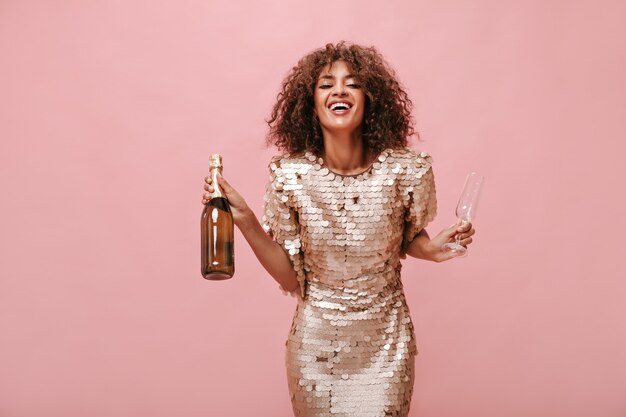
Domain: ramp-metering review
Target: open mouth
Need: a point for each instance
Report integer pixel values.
(340, 107)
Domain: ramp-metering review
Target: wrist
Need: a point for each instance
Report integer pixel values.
(421, 246)
(429, 251)
(246, 220)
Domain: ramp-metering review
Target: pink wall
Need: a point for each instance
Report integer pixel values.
(109, 111)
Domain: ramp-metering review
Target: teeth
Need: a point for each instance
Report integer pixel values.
(335, 105)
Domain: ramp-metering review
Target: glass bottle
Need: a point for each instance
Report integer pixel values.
(218, 251)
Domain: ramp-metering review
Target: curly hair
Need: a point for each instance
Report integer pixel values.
(387, 120)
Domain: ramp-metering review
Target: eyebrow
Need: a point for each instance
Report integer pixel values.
(330, 77)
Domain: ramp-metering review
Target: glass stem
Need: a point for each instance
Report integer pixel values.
(457, 237)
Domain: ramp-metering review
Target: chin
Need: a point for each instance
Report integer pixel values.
(341, 126)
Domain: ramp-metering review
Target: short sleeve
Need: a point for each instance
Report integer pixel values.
(280, 222)
(419, 198)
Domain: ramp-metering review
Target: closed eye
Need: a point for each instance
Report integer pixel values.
(355, 86)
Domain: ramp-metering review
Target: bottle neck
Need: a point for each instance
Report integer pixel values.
(217, 189)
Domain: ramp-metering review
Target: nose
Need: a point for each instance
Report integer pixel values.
(340, 90)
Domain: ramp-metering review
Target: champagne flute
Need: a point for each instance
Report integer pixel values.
(465, 211)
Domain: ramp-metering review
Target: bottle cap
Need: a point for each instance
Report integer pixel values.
(215, 161)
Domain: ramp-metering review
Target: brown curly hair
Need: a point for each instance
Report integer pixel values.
(387, 121)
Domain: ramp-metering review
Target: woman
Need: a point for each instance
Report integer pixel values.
(344, 203)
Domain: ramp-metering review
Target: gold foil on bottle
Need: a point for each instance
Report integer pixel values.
(351, 347)
(215, 167)
(215, 160)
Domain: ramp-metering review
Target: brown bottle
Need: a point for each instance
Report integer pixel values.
(218, 251)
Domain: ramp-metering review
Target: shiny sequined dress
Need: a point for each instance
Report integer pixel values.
(351, 348)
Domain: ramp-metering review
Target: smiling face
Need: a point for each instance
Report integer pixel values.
(339, 99)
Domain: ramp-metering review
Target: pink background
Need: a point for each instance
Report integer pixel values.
(109, 111)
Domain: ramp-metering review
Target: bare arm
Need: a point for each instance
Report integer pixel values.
(423, 247)
(270, 254)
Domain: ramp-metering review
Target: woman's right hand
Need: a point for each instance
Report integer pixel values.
(238, 205)
(270, 253)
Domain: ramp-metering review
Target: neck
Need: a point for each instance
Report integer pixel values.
(344, 152)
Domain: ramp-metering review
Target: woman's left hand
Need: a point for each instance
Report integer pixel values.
(434, 247)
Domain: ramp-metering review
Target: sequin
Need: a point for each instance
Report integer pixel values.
(351, 347)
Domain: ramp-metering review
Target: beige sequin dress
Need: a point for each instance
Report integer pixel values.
(351, 348)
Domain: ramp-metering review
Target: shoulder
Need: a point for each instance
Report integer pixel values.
(409, 157)
(289, 168)
(286, 159)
